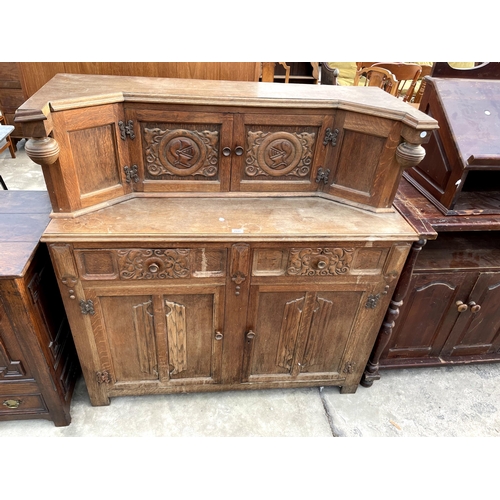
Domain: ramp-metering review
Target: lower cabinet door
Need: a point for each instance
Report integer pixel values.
(305, 335)
(161, 336)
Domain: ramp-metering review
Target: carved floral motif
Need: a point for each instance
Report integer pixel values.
(140, 264)
(181, 152)
(279, 153)
(319, 261)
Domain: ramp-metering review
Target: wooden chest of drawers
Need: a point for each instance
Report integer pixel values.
(38, 363)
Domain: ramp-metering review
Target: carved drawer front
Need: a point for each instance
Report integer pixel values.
(19, 404)
(319, 261)
(151, 263)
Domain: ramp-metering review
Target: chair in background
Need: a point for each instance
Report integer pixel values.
(426, 71)
(406, 74)
(5, 131)
(376, 77)
(329, 74)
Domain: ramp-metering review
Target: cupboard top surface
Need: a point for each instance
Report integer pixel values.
(23, 217)
(71, 91)
(472, 109)
(230, 219)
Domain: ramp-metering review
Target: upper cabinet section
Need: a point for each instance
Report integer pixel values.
(102, 139)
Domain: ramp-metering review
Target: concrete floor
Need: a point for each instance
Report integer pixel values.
(458, 401)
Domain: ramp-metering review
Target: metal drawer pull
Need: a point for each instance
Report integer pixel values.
(461, 307)
(250, 335)
(238, 150)
(226, 151)
(218, 335)
(12, 403)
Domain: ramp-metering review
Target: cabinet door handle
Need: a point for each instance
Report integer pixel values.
(474, 308)
(238, 150)
(218, 335)
(250, 335)
(461, 307)
(226, 151)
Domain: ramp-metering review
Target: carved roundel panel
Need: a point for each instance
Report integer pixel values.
(279, 153)
(181, 152)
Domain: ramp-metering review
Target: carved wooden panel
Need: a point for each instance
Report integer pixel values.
(139, 264)
(127, 325)
(176, 330)
(182, 150)
(279, 153)
(319, 261)
(290, 323)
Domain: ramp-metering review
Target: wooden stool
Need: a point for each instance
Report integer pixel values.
(5, 131)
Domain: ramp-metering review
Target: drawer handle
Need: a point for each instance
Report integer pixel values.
(12, 403)
(226, 151)
(321, 264)
(238, 150)
(250, 335)
(474, 308)
(461, 307)
(218, 335)
(153, 268)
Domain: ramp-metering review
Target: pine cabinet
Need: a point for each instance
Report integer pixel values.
(215, 236)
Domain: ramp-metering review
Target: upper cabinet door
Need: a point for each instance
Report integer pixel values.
(361, 164)
(278, 152)
(91, 159)
(179, 151)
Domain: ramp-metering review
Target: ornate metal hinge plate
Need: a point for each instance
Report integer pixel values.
(322, 175)
(331, 137)
(103, 377)
(126, 129)
(372, 301)
(131, 173)
(87, 307)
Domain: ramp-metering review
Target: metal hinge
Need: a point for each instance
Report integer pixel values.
(87, 307)
(131, 173)
(331, 136)
(372, 301)
(323, 175)
(103, 377)
(127, 129)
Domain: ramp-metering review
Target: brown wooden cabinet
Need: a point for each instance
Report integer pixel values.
(197, 235)
(452, 303)
(38, 364)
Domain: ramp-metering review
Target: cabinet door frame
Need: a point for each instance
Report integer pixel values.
(163, 340)
(354, 355)
(251, 149)
(138, 151)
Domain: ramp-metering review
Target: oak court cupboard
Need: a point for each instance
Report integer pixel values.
(212, 235)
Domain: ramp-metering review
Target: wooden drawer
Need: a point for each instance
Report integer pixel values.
(319, 261)
(151, 263)
(22, 403)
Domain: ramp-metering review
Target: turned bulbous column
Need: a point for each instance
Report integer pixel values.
(42, 150)
(409, 155)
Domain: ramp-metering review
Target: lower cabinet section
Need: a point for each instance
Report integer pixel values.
(451, 313)
(227, 316)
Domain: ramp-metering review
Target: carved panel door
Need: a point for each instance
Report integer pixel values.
(278, 152)
(308, 333)
(179, 150)
(157, 334)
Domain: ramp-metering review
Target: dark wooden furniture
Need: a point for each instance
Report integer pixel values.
(198, 236)
(38, 363)
(461, 171)
(445, 307)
